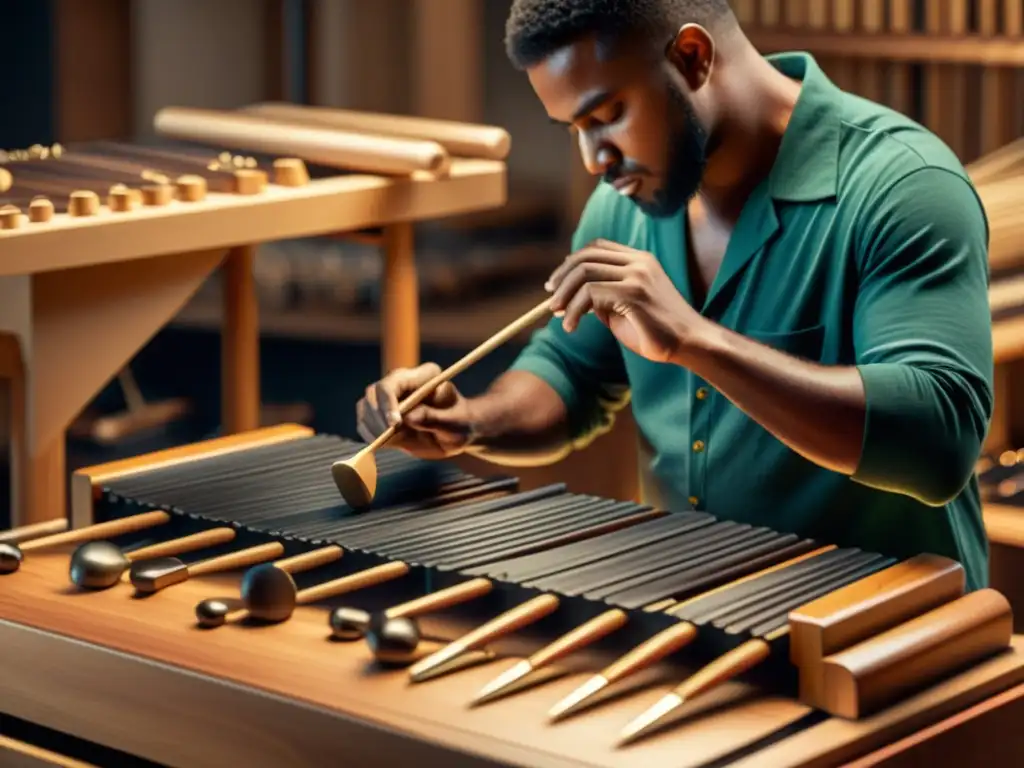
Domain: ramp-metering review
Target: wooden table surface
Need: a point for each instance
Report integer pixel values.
(108, 667)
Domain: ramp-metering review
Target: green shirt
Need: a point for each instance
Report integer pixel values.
(866, 246)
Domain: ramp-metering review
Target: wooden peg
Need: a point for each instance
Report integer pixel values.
(40, 210)
(83, 202)
(249, 181)
(191, 188)
(290, 172)
(157, 194)
(10, 217)
(120, 198)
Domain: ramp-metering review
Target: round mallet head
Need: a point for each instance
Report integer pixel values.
(356, 478)
(269, 593)
(98, 565)
(393, 641)
(213, 612)
(349, 623)
(10, 558)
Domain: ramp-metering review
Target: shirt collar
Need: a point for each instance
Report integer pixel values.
(807, 166)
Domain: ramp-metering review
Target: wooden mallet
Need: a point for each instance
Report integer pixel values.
(356, 476)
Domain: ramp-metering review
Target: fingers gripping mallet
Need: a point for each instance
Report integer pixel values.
(356, 476)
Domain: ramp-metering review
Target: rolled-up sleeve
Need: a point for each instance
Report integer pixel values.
(923, 336)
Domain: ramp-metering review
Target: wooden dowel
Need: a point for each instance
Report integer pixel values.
(331, 147)
(461, 139)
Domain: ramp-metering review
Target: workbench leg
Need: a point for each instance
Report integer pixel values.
(400, 299)
(63, 335)
(240, 343)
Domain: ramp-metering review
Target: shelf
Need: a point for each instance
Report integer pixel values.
(465, 325)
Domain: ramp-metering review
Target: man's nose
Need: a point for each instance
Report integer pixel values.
(597, 159)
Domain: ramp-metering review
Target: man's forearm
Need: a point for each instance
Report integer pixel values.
(818, 411)
(519, 421)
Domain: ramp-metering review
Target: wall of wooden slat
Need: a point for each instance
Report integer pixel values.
(956, 66)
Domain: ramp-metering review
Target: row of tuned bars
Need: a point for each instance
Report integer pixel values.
(618, 561)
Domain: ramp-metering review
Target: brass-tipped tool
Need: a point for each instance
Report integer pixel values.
(216, 611)
(608, 622)
(12, 553)
(721, 670)
(152, 575)
(644, 655)
(356, 476)
(572, 641)
(520, 616)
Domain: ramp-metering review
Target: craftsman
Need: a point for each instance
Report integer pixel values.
(788, 283)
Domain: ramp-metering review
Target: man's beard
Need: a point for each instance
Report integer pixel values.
(687, 158)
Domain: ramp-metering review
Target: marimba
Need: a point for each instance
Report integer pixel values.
(472, 622)
(102, 243)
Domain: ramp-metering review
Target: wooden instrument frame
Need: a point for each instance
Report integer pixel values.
(134, 675)
(79, 296)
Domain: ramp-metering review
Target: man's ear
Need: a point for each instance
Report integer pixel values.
(692, 53)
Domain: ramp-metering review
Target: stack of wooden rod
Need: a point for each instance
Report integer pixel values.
(356, 141)
(999, 178)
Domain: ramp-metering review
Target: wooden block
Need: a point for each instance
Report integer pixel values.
(878, 672)
(864, 608)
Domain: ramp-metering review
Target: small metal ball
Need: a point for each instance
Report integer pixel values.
(97, 565)
(213, 611)
(10, 558)
(393, 641)
(269, 593)
(349, 623)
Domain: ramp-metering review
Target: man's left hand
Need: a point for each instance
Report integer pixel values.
(630, 293)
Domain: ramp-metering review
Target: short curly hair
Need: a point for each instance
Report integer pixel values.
(537, 28)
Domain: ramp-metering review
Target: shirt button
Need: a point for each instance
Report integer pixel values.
(694, 501)
(702, 393)
(698, 446)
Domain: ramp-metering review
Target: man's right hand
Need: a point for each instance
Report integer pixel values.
(440, 427)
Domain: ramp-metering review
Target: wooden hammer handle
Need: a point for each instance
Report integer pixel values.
(445, 598)
(105, 530)
(309, 560)
(241, 559)
(190, 543)
(507, 333)
(368, 578)
(653, 650)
